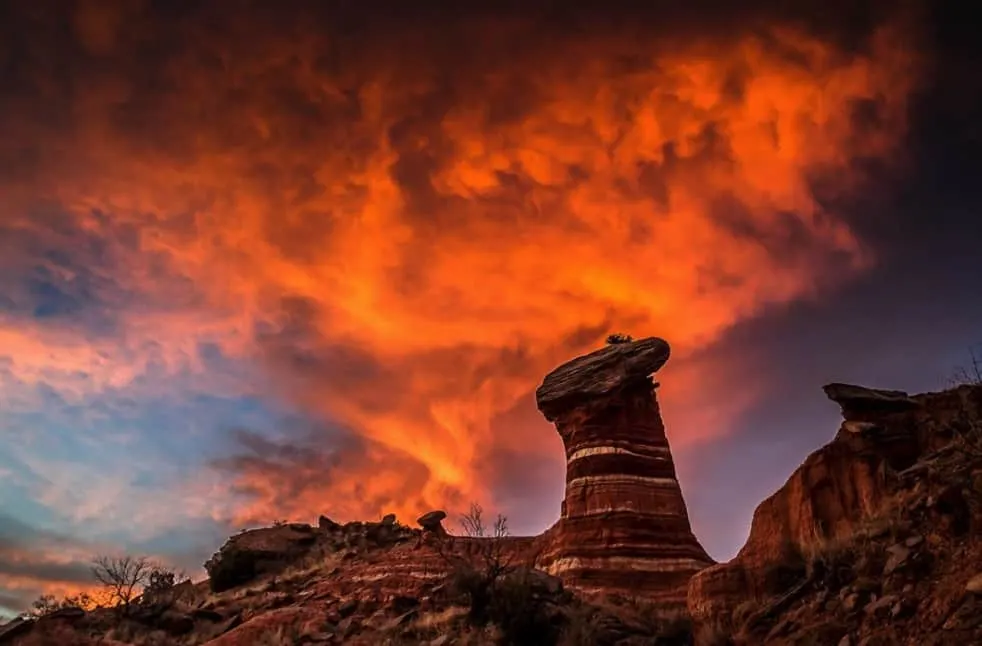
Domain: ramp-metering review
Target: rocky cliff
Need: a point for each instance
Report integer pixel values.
(623, 523)
(872, 539)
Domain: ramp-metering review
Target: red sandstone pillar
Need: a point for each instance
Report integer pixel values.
(624, 525)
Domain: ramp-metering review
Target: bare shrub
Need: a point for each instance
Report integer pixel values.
(969, 374)
(48, 603)
(617, 338)
(165, 587)
(123, 577)
(513, 599)
(520, 609)
(476, 575)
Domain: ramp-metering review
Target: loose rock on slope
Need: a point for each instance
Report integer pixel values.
(869, 536)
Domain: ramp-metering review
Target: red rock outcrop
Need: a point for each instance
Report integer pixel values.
(253, 553)
(624, 526)
(838, 490)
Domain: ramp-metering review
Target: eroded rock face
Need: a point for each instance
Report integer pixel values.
(624, 525)
(252, 553)
(832, 496)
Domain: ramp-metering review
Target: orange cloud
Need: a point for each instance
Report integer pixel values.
(409, 240)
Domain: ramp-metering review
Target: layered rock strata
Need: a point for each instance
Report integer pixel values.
(623, 526)
(839, 491)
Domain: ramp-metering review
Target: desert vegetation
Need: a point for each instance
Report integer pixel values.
(47, 604)
(524, 606)
(968, 373)
(124, 584)
(495, 591)
(617, 338)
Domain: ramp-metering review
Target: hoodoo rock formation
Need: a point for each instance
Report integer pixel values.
(623, 525)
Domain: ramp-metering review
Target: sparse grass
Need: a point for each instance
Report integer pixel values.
(615, 339)
(427, 626)
(657, 620)
(440, 619)
(301, 572)
(831, 562)
(970, 373)
(968, 436)
(48, 603)
(281, 636)
(837, 561)
(125, 632)
(242, 592)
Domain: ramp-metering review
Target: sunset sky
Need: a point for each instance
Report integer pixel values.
(265, 263)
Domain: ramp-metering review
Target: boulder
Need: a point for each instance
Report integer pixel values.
(432, 521)
(256, 552)
(600, 374)
(857, 400)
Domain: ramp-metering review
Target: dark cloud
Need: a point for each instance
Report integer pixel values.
(340, 475)
(32, 554)
(15, 534)
(48, 572)
(70, 273)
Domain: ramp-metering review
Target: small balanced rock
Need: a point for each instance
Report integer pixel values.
(327, 525)
(432, 521)
(389, 519)
(857, 400)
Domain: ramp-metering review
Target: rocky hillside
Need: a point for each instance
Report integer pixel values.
(364, 584)
(874, 539)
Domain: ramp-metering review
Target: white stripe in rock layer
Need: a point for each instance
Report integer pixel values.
(615, 450)
(371, 578)
(622, 479)
(629, 508)
(621, 563)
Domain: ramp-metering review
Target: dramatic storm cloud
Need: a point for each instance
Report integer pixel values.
(263, 264)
